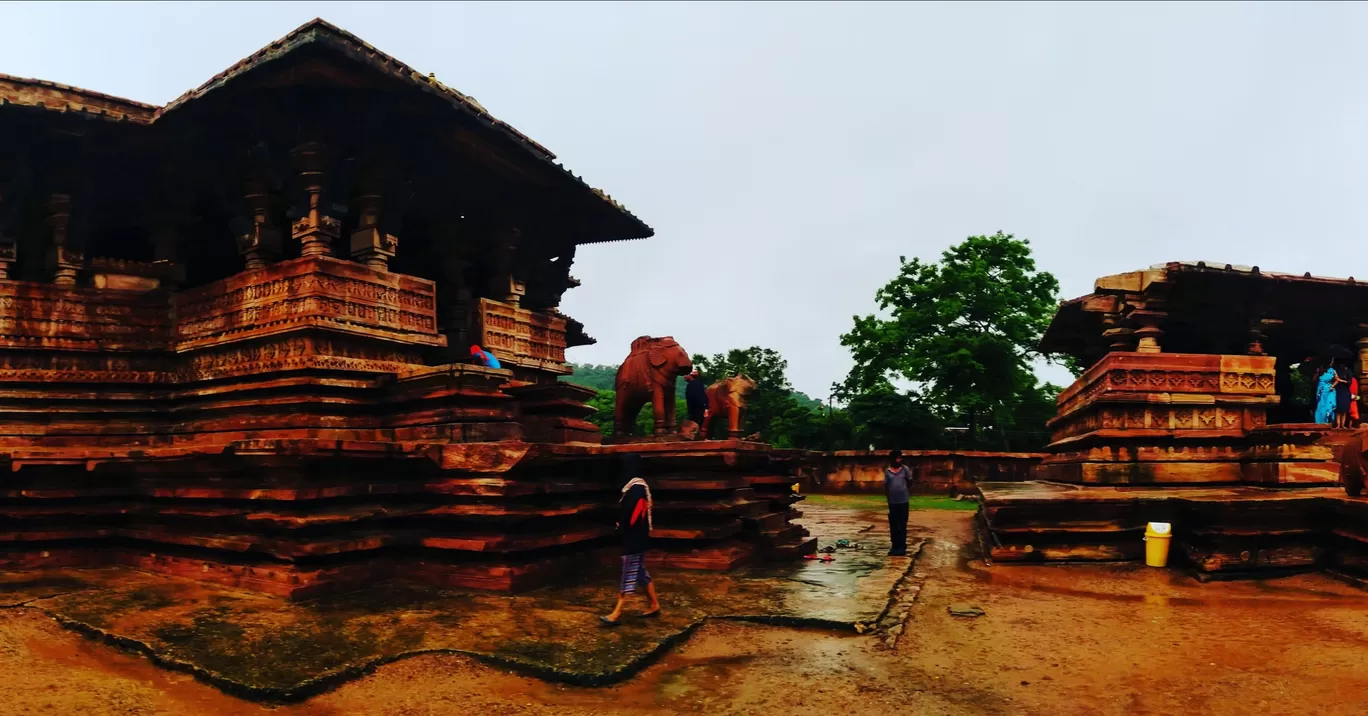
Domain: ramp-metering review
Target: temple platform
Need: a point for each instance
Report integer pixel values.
(297, 518)
(1218, 530)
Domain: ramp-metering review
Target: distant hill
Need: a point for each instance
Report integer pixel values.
(598, 377)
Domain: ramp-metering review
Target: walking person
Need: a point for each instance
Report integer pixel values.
(897, 479)
(696, 400)
(634, 525)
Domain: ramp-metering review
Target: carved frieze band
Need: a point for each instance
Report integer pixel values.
(1153, 453)
(284, 354)
(45, 315)
(307, 296)
(308, 307)
(519, 336)
(1133, 381)
(1205, 417)
(295, 353)
(309, 283)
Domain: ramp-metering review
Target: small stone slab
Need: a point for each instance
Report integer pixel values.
(960, 609)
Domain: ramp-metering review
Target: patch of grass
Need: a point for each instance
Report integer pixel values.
(879, 502)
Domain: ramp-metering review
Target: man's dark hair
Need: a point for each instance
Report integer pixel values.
(894, 455)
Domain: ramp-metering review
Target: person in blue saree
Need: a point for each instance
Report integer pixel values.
(1325, 395)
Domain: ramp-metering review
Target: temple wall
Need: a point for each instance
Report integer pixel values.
(935, 472)
(1162, 418)
(281, 430)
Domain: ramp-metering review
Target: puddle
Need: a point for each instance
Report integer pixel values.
(683, 676)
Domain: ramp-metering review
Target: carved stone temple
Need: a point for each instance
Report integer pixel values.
(235, 331)
(1189, 413)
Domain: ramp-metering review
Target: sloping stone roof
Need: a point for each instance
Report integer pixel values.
(62, 98)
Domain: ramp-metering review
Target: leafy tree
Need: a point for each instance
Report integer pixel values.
(605, 401)
(888, 419)
(773, 396)
(963, 332)
(764, 366)
(602, 403)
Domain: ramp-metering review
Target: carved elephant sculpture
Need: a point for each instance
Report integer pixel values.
(1353, 465)
(728, 397)
(648, 375)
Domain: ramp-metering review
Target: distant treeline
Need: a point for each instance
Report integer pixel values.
(962, 331)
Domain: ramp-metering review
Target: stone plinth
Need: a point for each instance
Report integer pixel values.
(720, 503)
(1180, 439)
(1160, 418)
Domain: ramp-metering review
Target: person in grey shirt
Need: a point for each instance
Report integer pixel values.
(897, 479)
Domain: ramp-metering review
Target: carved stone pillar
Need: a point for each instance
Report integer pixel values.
(62, 260)
(1258, 332)
(260, 244)
(1149, 333)
(1362, 346)
(1121, 337)
(503, 284)
(9, 248)
(9, 253)
(315, 230)
(549, 278)
(1256, 338)
(456, 293)
(369, 244)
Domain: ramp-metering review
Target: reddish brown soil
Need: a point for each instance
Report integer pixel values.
(1055, 640)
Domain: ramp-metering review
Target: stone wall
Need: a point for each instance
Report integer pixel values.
(934, 472)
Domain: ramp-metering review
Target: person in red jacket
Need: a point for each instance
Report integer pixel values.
(634, 525)
(1353, 402)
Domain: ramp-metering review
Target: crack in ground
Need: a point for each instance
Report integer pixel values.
(889, 628)
(28, 602)
(332, 680)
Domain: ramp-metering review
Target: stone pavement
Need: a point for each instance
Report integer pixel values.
(269, 649)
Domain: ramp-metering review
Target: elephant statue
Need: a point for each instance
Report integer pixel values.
(648, 375)
(728, 397)
(1352, 463)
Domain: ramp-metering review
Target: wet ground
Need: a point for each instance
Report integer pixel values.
(266, 648)
(1053, 640)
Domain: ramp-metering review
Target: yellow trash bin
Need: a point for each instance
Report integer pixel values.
(1157, 538)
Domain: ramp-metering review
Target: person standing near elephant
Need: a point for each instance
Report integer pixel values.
(696, 400)
(897, 486)
(634, 526)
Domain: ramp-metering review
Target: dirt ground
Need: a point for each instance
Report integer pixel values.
(1054, 640)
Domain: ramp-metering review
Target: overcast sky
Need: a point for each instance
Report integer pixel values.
(788, 154)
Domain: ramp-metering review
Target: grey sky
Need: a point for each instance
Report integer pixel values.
(787, 154)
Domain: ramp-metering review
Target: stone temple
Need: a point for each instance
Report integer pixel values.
(235, 331)
(1189, 413)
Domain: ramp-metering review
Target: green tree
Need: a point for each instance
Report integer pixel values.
(963, 331)
(773, 397)
(887, 419)
(603, 403)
